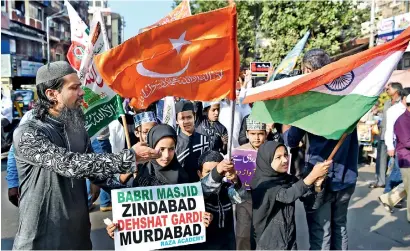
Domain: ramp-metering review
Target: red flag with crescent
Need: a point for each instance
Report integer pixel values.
(195, 58)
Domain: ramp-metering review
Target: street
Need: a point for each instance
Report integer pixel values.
(369, 225)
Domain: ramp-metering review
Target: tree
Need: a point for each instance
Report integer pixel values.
(331, 24)
(283, 23)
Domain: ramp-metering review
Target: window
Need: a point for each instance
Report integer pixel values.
(19, 6)
(91, 3)
(40, 15)
(97, 3)
(29, 48)
(33, 11)
(3, 6)
(58, 57)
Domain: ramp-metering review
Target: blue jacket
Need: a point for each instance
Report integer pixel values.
(12, 176)
(343, 172)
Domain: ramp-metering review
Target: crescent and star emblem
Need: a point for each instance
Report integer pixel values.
(177, 45)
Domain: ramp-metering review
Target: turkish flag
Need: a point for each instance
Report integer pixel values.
(195, 58)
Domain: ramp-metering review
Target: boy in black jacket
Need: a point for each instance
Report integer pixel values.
(220, 235)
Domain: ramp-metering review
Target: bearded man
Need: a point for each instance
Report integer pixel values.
(54, 156)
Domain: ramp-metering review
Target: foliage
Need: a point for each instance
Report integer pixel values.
(382, 99)
(331, 23)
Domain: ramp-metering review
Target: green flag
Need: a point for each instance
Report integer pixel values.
(101, 104)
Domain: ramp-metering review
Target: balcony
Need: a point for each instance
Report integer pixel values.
(53, 7)
(67, 36)
(18, 16)
(55, 35)
(42, 2)
(39, 25)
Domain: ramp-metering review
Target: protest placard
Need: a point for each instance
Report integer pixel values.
(158, 217)
(245, 165)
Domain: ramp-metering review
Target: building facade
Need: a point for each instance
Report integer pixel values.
(114, 23)
(24, 38)
(392, 18)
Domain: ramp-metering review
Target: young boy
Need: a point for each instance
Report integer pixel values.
(190, 144)
(144, 121)
(212, 128)
(256, 134)
(220, 234)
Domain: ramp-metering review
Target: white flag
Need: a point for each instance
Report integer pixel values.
(169, 116)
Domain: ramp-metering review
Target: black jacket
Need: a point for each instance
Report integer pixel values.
(214, 132)
(220, 234)
(188, 150)
(280, 232)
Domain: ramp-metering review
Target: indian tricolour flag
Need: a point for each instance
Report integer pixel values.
(330, 101)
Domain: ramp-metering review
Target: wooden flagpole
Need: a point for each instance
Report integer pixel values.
(318, 185)
(127, 134)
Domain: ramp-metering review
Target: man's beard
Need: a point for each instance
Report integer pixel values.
(73, 118)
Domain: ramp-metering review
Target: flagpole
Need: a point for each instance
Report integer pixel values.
(233, 89)
(103, 30)
(189, 7)
(107, 46)
(232, 104)
(318, 185)
(127, 135)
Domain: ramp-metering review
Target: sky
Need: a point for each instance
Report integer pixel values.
(139, 13)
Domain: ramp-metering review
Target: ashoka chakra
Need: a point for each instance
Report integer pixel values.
(341, 82)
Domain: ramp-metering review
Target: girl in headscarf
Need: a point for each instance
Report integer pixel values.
(210, 126)
(274, 193)
(165, 170)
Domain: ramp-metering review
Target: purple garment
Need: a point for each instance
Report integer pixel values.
(402, 131)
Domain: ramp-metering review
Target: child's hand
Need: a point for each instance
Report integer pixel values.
(225, 139)
(110, 230)
(207, 218)
(232, 176)
(125, 177)
(320, 169)
(319, 181)
(225, 166)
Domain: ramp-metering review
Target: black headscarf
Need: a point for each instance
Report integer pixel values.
(265, 184)
(173, 173)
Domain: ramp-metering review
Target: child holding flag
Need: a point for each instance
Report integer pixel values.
(274, 193)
